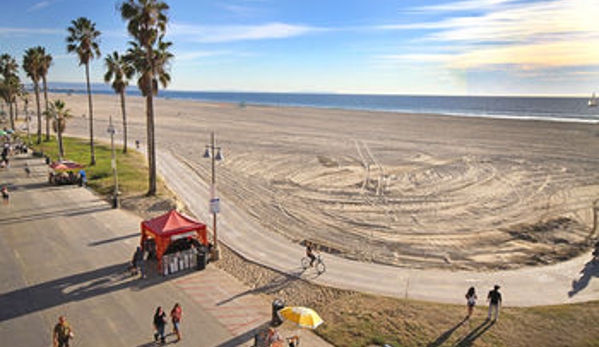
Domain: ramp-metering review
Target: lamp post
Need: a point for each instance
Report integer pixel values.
(28, 127)
(214, 153)
(115, 194)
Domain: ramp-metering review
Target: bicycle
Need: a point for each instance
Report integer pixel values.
(318, 264)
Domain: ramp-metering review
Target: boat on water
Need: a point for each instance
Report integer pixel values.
(593, 101)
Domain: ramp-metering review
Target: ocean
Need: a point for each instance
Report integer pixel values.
(535, 108)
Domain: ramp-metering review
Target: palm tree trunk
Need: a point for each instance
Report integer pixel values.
(60, 145)
(12, 116)
(39, 112)
(91, 117)
(124, 111)
(151, 144)
(16, 109)
(46, 102)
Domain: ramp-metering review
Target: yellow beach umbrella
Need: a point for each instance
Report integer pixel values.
(302, 316)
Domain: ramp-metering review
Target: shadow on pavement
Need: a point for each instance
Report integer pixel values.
(77, 287)
(469, 339)
(590, 270)
(34, 185)
(282, 281)
(114, 239)
(446, 335)
(70, 212)
(244, 338)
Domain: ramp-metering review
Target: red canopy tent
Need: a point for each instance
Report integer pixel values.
(170, 227)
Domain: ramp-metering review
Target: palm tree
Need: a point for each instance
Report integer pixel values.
(9, 90)
(119, 71)
(44, 67)
(83, 39)
(8, 65)
(10, 87)
(60, 114)
(31, 64)
(25, 97)
(149, 55)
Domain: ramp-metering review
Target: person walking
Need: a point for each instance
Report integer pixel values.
(495, 300)
(137, 262)
(159, 325)
(471, 298)
(5, 195)
(62, 333)
(176, 315)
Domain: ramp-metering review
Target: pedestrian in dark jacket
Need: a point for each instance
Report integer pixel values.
(159, 325)
(494, 299)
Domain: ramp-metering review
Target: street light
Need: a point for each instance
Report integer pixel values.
(115, 194)
(214, 201)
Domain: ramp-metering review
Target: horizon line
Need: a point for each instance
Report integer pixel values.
(104, 87)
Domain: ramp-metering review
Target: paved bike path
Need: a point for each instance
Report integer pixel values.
(65, 251)
(567, 282)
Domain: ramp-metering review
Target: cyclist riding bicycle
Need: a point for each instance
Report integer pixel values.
(310, 253)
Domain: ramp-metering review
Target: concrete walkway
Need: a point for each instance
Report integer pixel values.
(568, 282)
(64, 251)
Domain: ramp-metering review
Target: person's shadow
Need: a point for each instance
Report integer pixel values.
(590, 269)
(469, 339)
(446, 335)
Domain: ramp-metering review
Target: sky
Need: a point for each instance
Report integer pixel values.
(413, 47)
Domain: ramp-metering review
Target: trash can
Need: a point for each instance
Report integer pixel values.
(202, 258)
(115, 201)
(277, 305)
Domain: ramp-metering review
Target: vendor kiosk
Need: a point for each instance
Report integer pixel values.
(176, 241)
(65, 172)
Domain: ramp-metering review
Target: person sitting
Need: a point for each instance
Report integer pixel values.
(272, 337)
(293, 341)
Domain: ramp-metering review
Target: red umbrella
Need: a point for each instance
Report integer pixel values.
(65, 166)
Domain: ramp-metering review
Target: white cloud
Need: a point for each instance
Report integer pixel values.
(239, 10)
(538, 34)
(463, 5)
(42, 4)
(551, 54)
(536, 21)
(218, 34)
(39, 5)
(31, 31)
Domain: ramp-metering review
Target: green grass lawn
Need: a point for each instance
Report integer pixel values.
(132, 170)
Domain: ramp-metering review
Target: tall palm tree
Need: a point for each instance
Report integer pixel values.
(149, 55)
(44, 67)
(84, 39)
(60, 114)
(9, 90)
(8, 65)
(119, 71)
(31, 64)
(25, 97)
(10, 84)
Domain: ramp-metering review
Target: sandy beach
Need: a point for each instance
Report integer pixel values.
(410, 190)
